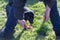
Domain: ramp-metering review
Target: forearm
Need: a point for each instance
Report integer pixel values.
(48, 9)
(47, 13)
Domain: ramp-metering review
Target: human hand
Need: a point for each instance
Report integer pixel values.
(46, 16)
(22, 23)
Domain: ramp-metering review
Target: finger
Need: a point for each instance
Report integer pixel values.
(44, 18)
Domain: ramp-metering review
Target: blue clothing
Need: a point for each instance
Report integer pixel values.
(55, 19)
(10, 1)
(11, 22)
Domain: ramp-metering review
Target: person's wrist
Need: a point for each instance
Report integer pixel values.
(21, 22)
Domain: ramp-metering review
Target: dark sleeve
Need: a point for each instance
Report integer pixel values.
(50, 3)
(10, 2)
(19, 8)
